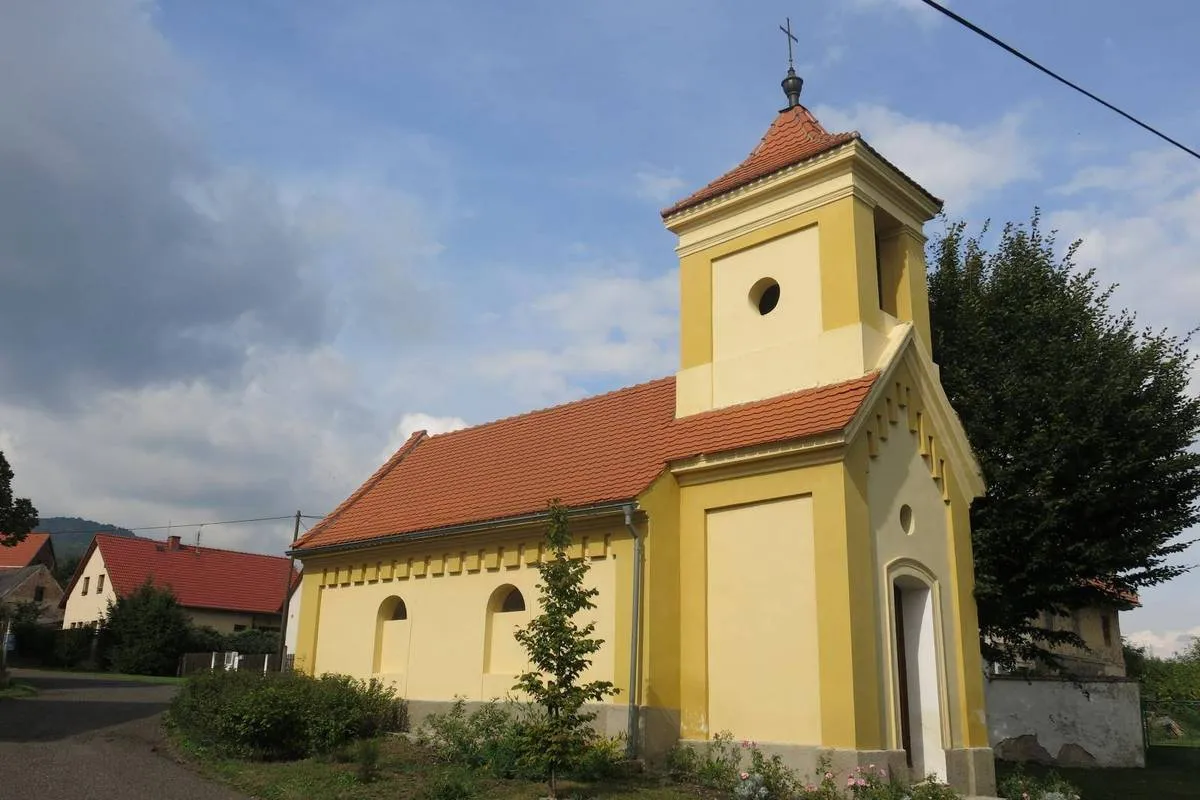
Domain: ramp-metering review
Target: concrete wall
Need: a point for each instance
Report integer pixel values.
(1051, 721)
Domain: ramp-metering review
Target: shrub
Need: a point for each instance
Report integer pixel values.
(1017, 785)
(508, 740)
(367, 758)
(716, 768)
(281, 716)
(456, 785)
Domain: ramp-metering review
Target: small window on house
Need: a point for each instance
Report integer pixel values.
(86, 581)
(99, 584)
(513, 601)
(239, 628)
(39, 594)
(1106, 627)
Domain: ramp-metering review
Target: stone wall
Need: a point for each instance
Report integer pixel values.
(1094, 723)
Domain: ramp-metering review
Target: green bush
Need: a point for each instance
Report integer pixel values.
(281, 716)
(1017, 785)
(367, 757)
(146, 631)
(508, 741)
(717, 767)
(456, 785)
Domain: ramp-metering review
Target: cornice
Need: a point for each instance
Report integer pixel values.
(758, 460)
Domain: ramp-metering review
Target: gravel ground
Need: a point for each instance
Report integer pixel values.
(83, 738)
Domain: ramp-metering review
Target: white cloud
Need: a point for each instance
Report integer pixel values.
(958, 164)
(610, 325)
(413, 422)
(659, 186)
(1164, 643)
(1137, 221)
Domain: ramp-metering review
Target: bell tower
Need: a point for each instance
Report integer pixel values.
(798, 268)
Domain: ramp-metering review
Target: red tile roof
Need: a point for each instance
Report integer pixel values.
(794, 136)
(200, 577)
(24, 553)
(603, 449)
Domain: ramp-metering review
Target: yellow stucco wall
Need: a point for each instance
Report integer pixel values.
(93, 606)
(661, 654)
(763, 667)
(906, 467)
(226, 621)
(844, 641)
(455, 641)
(827, 327)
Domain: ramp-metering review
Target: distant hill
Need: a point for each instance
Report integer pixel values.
(72, 535)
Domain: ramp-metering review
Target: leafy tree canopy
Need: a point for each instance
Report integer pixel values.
(1083, 424)
(146, 631)
(17, 514)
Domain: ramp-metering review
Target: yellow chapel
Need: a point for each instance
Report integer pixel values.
(779, 532)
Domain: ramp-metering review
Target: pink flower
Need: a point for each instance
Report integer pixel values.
(850, 781)
(745, 744)
(745, 776)
(860, 782)
(829, 775)
(810, 788)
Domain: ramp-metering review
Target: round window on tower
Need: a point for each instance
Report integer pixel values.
(764, 295)
(906, 519)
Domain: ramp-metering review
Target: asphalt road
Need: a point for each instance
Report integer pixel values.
(92, 739)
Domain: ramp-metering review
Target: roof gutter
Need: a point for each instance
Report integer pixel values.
(631, 732)
(580, 512)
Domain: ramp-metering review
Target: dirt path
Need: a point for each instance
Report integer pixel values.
(83, 738)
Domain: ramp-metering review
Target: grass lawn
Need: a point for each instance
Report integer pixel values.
(17, 689)
(406, 772)
(1160, 782)
(116, 676)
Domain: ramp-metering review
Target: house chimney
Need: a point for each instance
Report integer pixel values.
(172, 542)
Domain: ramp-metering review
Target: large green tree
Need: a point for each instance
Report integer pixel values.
(146, 631)
(1083, 423)
(17, 514)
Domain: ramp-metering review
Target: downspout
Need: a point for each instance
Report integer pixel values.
(631, 733)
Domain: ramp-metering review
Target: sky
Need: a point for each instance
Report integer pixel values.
(246, 248)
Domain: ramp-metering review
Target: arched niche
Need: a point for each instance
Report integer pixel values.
(506, 611)
(392, 635)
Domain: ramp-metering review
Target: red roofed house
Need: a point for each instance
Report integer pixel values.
(27, 575)
(779, 532)
(35, 548)
(223, 589)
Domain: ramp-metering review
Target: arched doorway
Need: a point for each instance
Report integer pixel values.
(918, 684)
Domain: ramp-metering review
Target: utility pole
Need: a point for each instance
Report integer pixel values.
(287, 596)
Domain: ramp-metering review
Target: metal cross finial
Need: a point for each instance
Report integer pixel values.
(790, 39)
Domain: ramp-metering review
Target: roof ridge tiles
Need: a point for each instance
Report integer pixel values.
(189, 548)
(558, 407)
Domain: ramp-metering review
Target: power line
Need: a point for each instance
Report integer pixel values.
(1012, 50)
(187, 525)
